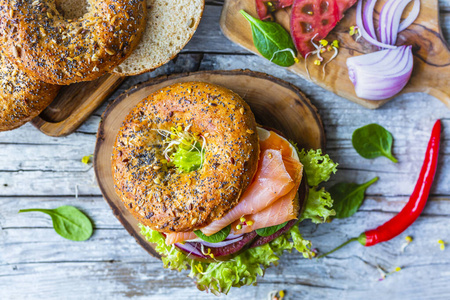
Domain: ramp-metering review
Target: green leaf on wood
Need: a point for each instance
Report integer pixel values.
(372, 141)
(68, 222)
(348, 197)
(272, 41)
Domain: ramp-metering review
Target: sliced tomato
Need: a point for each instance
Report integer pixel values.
(315, 19)
(266, 7)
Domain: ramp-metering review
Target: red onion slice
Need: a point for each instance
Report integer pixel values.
(395, 20)
(368, 18)
(233, 236)
(190, 250)
(411, 17)
(380, 76)
(220, 244)
(384, 28)
(363, 31)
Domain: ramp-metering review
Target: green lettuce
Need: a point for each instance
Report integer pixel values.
(219, 276)
(318, 166)
(188, 158)
(318, 207)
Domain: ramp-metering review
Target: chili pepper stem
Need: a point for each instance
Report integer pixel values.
(339, 247)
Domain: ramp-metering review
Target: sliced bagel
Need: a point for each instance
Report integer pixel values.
(21, 98)
(170, 26)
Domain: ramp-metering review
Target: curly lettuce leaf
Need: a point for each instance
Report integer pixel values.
(318, 166)
(219, 277)
(318, 207)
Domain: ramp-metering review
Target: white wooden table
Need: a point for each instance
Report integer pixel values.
(45, 172)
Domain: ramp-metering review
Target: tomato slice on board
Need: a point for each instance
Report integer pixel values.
(265, 8)
(315, 18)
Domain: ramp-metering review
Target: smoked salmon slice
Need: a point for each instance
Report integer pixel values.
(178, 237)
(272, 181)
(271, 140)
(284, 209)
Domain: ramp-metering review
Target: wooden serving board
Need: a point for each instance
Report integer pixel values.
(74, 104)
(275, 103)
(431, 73)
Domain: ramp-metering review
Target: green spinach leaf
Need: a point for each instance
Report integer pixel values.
(372, 141)
(68, 222)
(270, 230)
(216, 237)
(272, 41)
(348, 197)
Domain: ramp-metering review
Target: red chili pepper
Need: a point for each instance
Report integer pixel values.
(415, 205)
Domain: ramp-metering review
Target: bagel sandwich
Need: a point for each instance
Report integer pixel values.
(214, 190)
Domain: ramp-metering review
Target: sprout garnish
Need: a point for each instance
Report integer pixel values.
(183, 148)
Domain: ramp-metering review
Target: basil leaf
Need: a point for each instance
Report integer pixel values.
(68, 222)
(270, 230)
(372, 141)
(216, 237)
(272, 41)
(348, 197)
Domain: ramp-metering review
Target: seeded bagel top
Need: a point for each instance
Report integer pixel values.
(158, 194)
(50, 48)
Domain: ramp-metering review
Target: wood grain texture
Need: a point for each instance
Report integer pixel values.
(74, 104)
(42, 171)
(274, 102)
(431, 73)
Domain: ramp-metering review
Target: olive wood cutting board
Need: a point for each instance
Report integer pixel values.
(431, 73)
(74, 104)
(274, 102)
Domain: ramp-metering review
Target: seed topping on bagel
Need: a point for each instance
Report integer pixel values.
(21, 98)
(184, 155)
(48, 47)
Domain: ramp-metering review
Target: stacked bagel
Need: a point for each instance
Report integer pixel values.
(47, 44)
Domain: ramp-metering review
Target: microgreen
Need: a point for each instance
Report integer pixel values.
(272, 41)
(183, 148)
(348, 197)
(442, 244)
(216, 237)
(372, 141)
(322, 47)
(355, 30)
(86, 159)
(68, 222)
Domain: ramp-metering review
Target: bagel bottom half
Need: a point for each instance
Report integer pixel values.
(21, 98)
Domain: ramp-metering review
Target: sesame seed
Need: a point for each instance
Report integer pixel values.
(110, 51)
